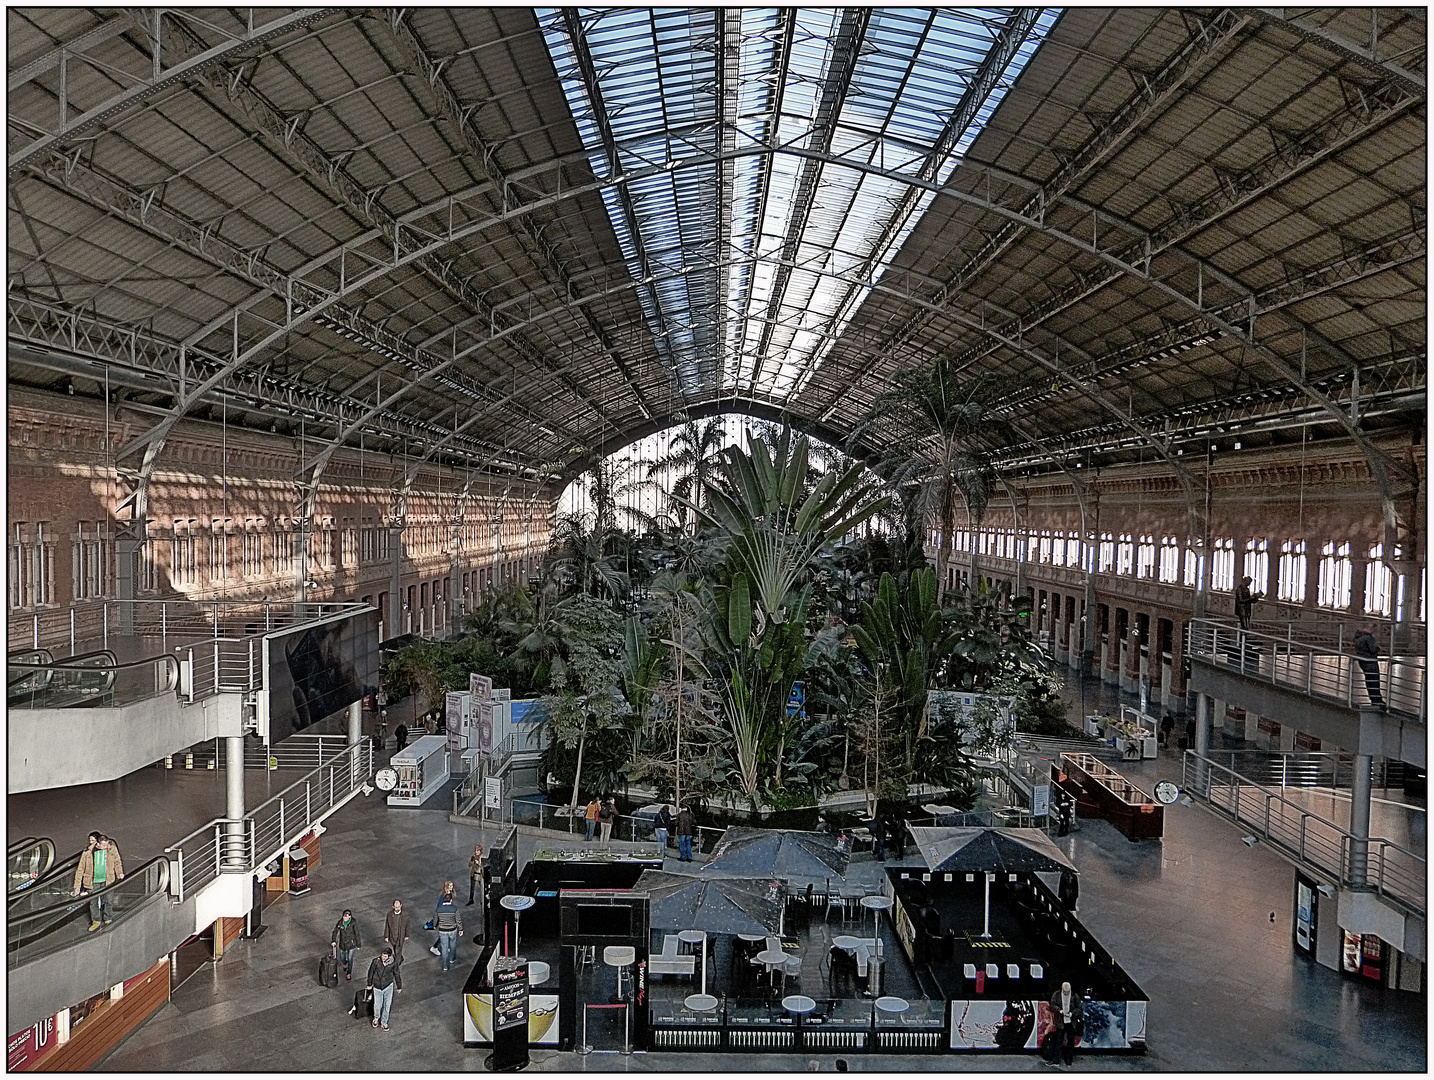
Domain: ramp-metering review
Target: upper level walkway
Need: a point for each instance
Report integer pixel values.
(99, 690)
(1310, 678)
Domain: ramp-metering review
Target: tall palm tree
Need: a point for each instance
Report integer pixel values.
(694, 458)
(936, 425)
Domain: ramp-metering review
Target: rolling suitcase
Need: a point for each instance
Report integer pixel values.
(329, 969)
(363, 1004)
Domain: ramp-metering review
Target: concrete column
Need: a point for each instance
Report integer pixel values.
(1252, 726)
(1127, 683)
(1218, 713)
(1202, 743)
(355, 723)
(1166, 675)
(1360, 792)
(1287, 738)
(234, 852)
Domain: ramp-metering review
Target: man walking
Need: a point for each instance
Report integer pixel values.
(686, 826)
(397, 929)
(448, 921)
(99, 866)
(1366, 651)
(384, 980)
(660, 827)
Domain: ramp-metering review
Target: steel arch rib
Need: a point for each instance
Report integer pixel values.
(381, 268)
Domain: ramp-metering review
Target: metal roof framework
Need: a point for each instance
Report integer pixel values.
(512, 239)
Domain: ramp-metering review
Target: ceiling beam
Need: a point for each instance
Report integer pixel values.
(67, 129)
(1367, 56)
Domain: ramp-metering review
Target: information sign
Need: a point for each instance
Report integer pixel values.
(493, 792)
(1041, 800)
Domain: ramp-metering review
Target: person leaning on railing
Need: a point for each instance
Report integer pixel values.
(1366, 652)
(99, 866)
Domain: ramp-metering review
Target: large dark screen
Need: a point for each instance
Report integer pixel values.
(319, 670)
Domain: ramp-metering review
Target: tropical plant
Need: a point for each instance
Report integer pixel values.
(694, 455)
(937, 425)
(585, 673)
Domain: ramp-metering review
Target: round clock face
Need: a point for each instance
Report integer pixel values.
(1167, 792)
(385, 779)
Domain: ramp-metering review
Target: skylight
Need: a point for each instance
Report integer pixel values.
(753, 264)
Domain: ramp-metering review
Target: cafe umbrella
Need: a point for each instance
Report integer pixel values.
(791, 855)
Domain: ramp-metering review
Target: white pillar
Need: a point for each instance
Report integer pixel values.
(1202, 742)
(1359, 821)
(234, 853)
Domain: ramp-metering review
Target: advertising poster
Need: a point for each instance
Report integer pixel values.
(1135, 1022)
(1104, 1025)
(480, 686)
(542, 1019)
(993, 1025)
(510, 990)
(456, 712)
(24, 1047)
(485, 726)
(1306, 899)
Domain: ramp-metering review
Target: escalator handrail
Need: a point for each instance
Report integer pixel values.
(57, 872)
(69, 904)
(19, 851)
(170, 662)
(72, 663)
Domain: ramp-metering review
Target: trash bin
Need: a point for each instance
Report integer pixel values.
(876, 975)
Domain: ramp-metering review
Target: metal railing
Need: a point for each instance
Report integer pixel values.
(182, 619)
(271, 827)
(294, 752)
(1311, 768)
(625, 827)
(1391, 869)
(92, 680)
(43, 928)
(1331, 674)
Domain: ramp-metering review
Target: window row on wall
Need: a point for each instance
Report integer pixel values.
(220, 551)
(1164, 559)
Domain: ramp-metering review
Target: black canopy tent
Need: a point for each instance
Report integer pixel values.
(798, 858)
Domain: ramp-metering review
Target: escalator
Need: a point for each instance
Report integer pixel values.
(47, 916)
(35, 680)
(26, 862)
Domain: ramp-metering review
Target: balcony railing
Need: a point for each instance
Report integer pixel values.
(271, 827)
(1391, 869)
(1329, 674)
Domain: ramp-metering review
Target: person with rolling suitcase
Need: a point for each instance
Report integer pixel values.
(384, 980)
(345, 939)
(329, 967)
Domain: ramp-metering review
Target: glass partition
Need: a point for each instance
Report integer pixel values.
(42, 930)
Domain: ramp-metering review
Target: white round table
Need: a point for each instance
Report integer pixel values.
(619, 957)
(893, 1006)
(700, 1002)
(517, 903)
(773, 959)
(798, 1003)
(846, 941)
(753, 937)
(875, 904)
(538, 972)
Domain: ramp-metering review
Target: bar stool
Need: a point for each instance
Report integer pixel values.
(587, 954)
(619, 957)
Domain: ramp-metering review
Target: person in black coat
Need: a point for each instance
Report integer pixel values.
(384, 979)
(1366, 651)
(401, 734)
(346, 939)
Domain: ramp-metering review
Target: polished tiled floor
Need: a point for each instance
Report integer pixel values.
(1189, 918)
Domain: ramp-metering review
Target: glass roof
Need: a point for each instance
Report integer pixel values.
(752, 265)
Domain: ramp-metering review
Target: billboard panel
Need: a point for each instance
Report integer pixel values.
(316, 670)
